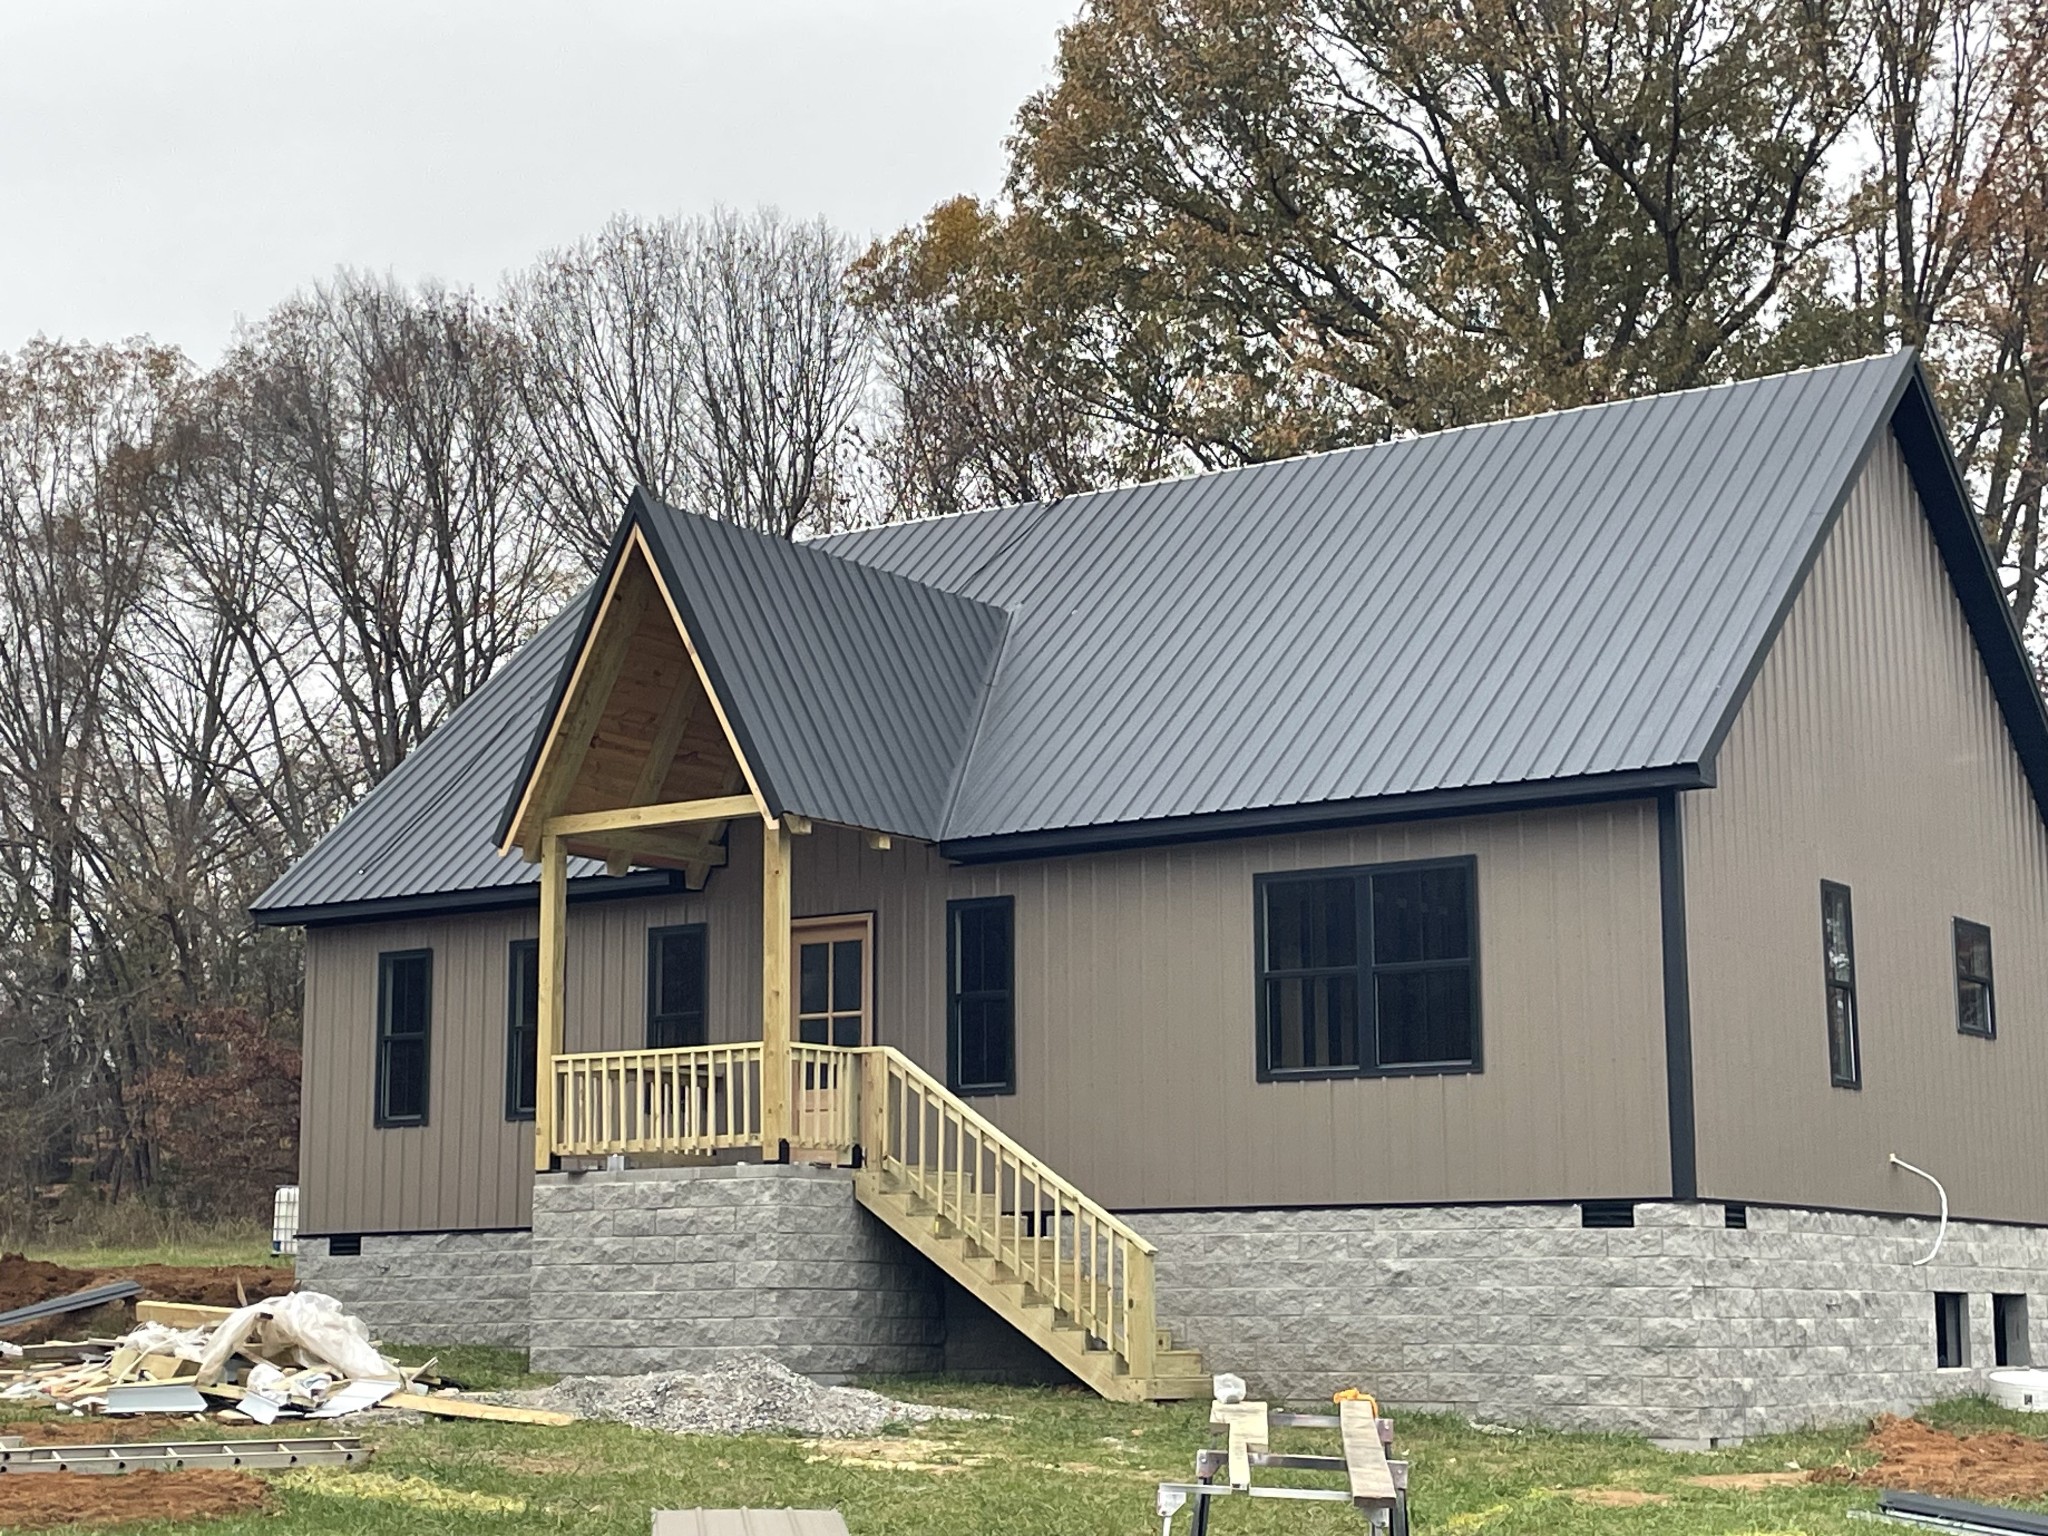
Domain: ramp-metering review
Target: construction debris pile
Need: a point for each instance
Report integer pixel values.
(738, 1395)
(290, 1356)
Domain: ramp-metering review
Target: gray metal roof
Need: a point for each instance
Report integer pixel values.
(1559, 597)
(853, 690)
(1564, 604)
(426, 830)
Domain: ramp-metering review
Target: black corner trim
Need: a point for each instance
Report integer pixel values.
(1678, 1083)
(1265, 821)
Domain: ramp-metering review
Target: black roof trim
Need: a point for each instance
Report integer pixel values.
(1435, 804)
(497, 898)
(679, 593)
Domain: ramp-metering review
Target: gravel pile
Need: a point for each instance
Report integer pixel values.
(742, 1394)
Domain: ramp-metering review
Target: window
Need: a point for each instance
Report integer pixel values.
(1951, 1330)
(1973, 980)
(2009, 1337)
(676, 987)
(405, 985)
(981, 1005)
(522, 1028)
(1838, 970)
(1368, 971)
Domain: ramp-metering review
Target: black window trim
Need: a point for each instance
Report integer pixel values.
(1955, 947)
(953, 909)
(1368, 1002)
(654, 937)
(1829, 986)
(515, 951)
(382, 1121)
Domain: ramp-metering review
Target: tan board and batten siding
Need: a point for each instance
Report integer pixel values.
(1135, 1024)
(1871, 752)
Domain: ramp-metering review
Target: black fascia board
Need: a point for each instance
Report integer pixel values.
(1264, 821)
(496, 898)
(705, 647)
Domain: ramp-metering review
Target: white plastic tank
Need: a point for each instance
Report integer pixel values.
(2026, 1391)
(284, 1220)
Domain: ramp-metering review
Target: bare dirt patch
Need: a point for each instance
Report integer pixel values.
(25, 1281)
(36, 1501)
(1617, 1498)
(96, 1430)
(1747, 1482)
(1919, 1459)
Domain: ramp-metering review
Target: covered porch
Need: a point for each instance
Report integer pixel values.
(674, 725)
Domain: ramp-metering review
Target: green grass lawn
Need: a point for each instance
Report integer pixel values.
(1047, 1463)
(149, 1240)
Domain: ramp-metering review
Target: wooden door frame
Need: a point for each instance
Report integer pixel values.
(798, 926)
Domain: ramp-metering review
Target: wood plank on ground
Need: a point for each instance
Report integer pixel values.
(1365, 1454)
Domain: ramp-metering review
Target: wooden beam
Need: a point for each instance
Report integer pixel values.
(554, 979)
(590, 687)
(775, 1118)
(645, 843)
(798, 825)
(879, 841)
(670, 813)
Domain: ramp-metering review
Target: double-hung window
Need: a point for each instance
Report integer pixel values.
(981, 1000)
(405, 995)
(1370, 971)
(676, 975)
(1974, 1015)
(1838, 972)
(522, 1028)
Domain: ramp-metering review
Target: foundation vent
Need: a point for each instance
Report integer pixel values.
(1607, 1213)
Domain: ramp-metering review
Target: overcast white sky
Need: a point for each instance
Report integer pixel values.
(167, 167)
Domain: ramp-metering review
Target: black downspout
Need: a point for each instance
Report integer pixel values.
(1685, 1178)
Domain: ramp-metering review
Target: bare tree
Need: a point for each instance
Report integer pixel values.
(718, 362)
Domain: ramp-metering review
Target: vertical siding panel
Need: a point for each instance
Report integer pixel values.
(1870, 751)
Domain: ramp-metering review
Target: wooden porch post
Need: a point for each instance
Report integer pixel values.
(775, 1071)
(554, 977)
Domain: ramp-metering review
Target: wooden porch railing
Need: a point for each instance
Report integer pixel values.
(1067, 1248)
(698, 1098)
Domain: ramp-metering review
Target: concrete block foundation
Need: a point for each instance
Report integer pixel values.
(429, 1287)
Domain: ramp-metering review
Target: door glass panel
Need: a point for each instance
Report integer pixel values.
(846, 1030)
(846, 976)
(814, 976)
(812, 1031)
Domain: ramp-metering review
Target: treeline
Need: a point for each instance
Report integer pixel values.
(233, 598)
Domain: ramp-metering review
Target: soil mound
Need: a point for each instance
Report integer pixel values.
(36, 1501)
(25, 1281)
(1915, 1458)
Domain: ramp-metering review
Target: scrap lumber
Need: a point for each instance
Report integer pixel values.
(456, 1408)
(1248, 1432)
(179, 1314)
(77, 1301)
(1365, 1455)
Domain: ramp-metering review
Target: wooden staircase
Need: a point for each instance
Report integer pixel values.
(1048, 1260)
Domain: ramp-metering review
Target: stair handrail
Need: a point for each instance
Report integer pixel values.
(994, 1133)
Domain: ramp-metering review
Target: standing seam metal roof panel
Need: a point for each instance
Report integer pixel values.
(1568, 597)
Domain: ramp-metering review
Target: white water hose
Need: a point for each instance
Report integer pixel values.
(1942, 1230)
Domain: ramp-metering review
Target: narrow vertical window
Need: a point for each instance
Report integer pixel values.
(522, 1029)
(405, 985)
(1974, 1015)
(1838, 968)
(981, 995)
(676, 977)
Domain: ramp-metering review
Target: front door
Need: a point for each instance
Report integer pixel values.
(835, 987)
